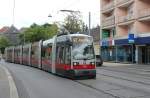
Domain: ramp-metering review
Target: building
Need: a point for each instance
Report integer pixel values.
(125, 31)
(96, 37)
(12, 33)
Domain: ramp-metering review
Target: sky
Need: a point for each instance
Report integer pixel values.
(28, 12)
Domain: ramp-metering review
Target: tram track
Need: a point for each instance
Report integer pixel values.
(146, 76)
(109, 91)
(99, 90)
(125, 87)
(128, 86)
(116, 77)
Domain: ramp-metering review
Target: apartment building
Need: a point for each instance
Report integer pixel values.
(125, 31)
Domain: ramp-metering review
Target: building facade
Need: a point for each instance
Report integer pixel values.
(125, 31)
(96, 37)
(12, 33)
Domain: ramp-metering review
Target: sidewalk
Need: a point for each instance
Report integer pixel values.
(115, 64)
(7, 85)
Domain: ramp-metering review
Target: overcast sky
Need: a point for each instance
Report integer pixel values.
(37, 11)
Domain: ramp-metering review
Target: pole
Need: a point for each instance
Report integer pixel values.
(13, 21)
(89, 23)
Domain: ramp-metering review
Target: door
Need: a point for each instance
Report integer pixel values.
(148, 55)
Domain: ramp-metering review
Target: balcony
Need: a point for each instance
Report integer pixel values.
(124, 3)
(125, 19)
(144, 14)
(110, 21)
(108, 7)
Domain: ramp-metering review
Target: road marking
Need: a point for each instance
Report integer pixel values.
(13, 89)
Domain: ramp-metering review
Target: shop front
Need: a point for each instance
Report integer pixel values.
(108, 50)
(125, 52)
(143, 47)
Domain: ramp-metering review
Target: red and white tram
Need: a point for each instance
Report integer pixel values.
(70, 55)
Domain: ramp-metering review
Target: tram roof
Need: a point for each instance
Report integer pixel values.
(49, 41)
(79, 35)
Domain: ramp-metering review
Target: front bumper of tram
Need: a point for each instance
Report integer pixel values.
(77, 72)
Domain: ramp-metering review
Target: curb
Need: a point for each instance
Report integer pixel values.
(13, 89)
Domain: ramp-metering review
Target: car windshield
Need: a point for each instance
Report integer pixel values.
(82, 49)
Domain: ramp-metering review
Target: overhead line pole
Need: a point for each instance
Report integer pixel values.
(89, 23)
(13, 21)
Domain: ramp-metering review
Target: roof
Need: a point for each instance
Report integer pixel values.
(4, 29)
(79, 35)
(7, 29)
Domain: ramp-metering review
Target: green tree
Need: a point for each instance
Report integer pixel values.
(4, 42)
(73, 22)
(38, 32)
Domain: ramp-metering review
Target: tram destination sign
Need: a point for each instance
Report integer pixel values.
(82, 39)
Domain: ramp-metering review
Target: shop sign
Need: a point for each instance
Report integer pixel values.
(131, 39)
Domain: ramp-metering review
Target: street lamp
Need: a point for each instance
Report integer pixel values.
(71, 11)
(49, 15)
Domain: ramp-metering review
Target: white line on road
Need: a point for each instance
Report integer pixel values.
(13, 89)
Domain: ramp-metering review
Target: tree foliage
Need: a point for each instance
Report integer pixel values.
(4, 42)
(73, 23)
(38, 32)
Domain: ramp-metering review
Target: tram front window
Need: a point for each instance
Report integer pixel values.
(82, 49)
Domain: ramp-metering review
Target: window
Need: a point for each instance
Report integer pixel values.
(67, 56)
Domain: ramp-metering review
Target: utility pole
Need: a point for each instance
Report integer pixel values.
(13, 14)
(89, 23)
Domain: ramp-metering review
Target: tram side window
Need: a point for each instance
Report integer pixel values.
(43, 53)
(46, 53)
(60, 55)
(49, 53)
(67, 56)
(33, 51)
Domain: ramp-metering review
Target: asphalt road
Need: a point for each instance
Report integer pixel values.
(34, 83)
(111, 82)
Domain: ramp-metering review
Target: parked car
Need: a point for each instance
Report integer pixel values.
(99, 60)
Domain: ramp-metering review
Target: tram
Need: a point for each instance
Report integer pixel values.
(69, 55)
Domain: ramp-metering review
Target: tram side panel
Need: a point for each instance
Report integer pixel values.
(26, 54)
(47, 58)
(35, 52)
(21, 54)
(6, 54)
(63, 59)
(17, 54)
(10, 54)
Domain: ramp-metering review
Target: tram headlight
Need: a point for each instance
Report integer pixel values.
(92, 63)
(75, 63)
